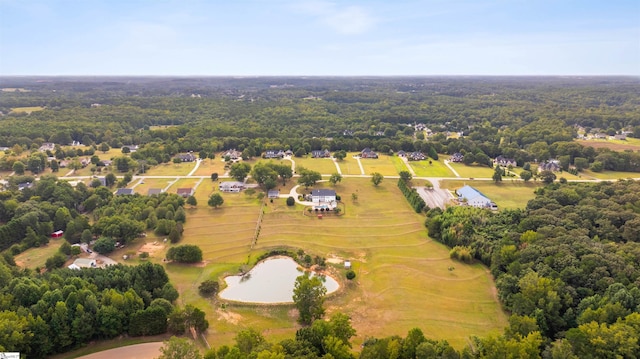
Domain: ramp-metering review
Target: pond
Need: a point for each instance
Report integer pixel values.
(270, 281)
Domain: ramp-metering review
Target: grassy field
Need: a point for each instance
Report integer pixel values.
(384, 165)
(506, 194)
(403, 278)
(171, 169)
(615, 145)
(349, 165)
(609, 175)
(27, 109)
(323, 165)
(435, 169)
(149, 183)
(473, 171)
(209, 166)
(36, 257)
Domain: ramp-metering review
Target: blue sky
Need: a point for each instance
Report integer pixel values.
(318, 37)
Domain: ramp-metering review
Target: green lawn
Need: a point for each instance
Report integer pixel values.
(403, 278)
(384, 165)
(610, 175)
(506, 194)
(435, 169)
(323, 165)
(171, 169)
(209, 166)
(473, 171)
(36, 257)
(349, 165)
(27, 109)
(149, 183)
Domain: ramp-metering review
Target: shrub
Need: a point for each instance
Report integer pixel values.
(291, 201)
(208, 288)
(351, 274)
(186, 253)
(461, 253)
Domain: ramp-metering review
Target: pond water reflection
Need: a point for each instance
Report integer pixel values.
(270, 281)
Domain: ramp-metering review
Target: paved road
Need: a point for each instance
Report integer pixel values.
(137, 351)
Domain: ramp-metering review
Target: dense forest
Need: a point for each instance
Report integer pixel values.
(567, 266)
(515, 117)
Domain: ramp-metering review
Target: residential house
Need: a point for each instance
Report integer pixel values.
(64, 163)
(124, 192)
(154, 191)
(85, 162)
(320, 154)
(186, 157)
(505, 162)
(621, 136)
(83, 263)
(273, 193)
(347, 133)
(473, 197)
(551, 165)
(232, 154)
(105, 163)
(132, 148)
(379, 133)
(420, 127)
(456, 157)
(47, 146)
(103, 181)
(416, 156)
(323, 195)
(600, 136)
(231, 186)
(402, 153)
(288, 153)
(274, 154)
(368, 153)
(185, 192)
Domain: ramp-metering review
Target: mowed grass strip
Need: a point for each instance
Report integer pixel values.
(614, 145)
(514, 194)
(472, 171)
(610, 175)
(209, 166)
(171, 169)
(148, 183)
(433, 169)
(349, 165)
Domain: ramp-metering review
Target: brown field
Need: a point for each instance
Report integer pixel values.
(614, 145)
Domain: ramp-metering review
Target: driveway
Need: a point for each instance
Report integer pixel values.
(435, 197)
(137, 351)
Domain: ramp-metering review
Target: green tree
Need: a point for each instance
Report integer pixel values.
(308, 296)
(104, 147)
(405, 176)
(18, 167)
(215, 200)
(186, 253)
(526, 175)
(308, 178)
(214, 176)
(192, 201)
(240, 170)
(248, 340)
(340, 155)
(497, 174)
(335, 178)
(179, 348)
(104, 245)
(547, 177)
(208, 288)
(376, 178)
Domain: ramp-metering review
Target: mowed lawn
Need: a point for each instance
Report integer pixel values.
(209, 166)
(383, 164)
(37, 257)
(610, 175)
(325, 166)
(149, 183)
(473, 171)
(615, 145)
(433, 169)
(27, 109)
(349, 165)
(171, 169)
(507, 194)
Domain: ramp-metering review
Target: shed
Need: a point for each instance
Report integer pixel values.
(124, 191)
(347, 264)
(57, 234)
(273, 193)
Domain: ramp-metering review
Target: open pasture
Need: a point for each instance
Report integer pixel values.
(349, 165)
(27, 109)
(506, 194)
(325, 166)
(209, 166)
(384, 165)
(37, 256)
(433, 169)
(614, 145)
(473, 171)
(171, 169)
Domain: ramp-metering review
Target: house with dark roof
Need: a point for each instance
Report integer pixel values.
(132, 148)
(232, 154)
(368, 153)
(185, 192)
(124, 191)
(23, 185)
(402, 153)
(231, 186)
(186, 157)
(320, 154)
(472, 197)
(457, 157)
(416, 156)
(505, 162)
(273, 193)
(273, 154)
(323, 195)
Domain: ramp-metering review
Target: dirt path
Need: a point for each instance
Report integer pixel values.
(137, 351)
(446, 163)
(406, 163)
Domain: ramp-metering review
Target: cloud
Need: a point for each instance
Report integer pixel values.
(349, 20)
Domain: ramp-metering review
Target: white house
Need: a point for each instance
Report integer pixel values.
(83, 263)
(474, 198)
(323, 195)
(231, 186)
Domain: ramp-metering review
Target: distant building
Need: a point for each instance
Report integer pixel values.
(416, 156)
(47, 146)
(274, 154)
(232, 154)
(505, 162)
(57, 234)
(132, 148)
(273, 193)
(231, 186)
(185, 192)
(154, 191)
(472, 197)
(368, 153)
(23, 185)
(320, 154)
(83, 263)
(186, 157)
(551, 165)
(124, 192)
(457, 157)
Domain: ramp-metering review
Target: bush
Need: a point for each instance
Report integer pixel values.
(461, 253)
(291, 201)
(208, 288)
(186, 253)
(351, 274)
(104, 245)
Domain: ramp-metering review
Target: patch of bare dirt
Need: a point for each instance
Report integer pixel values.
(151, 248)
(230, 317)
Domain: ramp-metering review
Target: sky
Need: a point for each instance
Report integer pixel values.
(319, 37)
